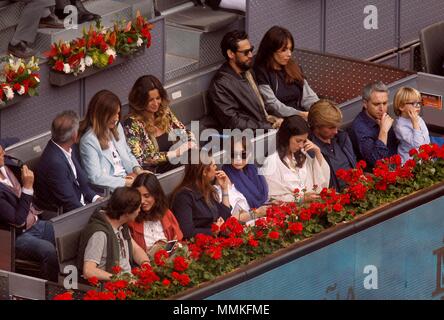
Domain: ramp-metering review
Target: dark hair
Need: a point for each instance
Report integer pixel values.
(291, 126)
(230, 41)
(150, 182)
(275, 39)
(123, 200)
(103, 105)
(138, 100)
(194, 180)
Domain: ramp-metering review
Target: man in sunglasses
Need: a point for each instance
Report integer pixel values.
(233, 95)
(34, 237)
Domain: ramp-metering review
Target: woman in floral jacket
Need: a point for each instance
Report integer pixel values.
(153, 132)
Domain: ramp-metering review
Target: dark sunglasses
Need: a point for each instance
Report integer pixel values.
(247, 51)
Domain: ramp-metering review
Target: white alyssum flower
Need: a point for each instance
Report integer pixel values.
(82, 65)
(66, 68)
(21, 90)
(8, 92)
(139, 42)
(111, 52)
(88, 61)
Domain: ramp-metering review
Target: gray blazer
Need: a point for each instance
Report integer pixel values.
(98, 163)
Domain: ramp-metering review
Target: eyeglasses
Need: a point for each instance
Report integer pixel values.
(246, 52)
(415, 104)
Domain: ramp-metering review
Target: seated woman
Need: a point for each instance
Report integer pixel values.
(155, 224)
(195, 202)
(292, 167)
(106, 241)
(249, 190)
(106, 157)
(149, 125)
(279, 77)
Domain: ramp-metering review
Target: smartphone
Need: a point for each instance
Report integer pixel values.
(170, 246)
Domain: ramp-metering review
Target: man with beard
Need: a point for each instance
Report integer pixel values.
(371, 132)
(233, 95)
(325, 119)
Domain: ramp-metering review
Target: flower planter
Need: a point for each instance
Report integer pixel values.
(318, 241)
(15, 100)
(61, 79)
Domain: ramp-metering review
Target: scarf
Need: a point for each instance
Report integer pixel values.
(248, 181)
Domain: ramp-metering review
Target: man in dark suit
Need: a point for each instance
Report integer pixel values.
(60, 180)
(34, 237)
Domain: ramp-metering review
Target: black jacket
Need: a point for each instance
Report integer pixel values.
(194, 215)
(55, 180)
(234, 103)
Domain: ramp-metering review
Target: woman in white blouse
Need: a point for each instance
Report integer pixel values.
(297, 164)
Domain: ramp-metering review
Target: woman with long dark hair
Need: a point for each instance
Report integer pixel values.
(292, 167)
(280, 79)
(106, 157)
(155, 224)
(195, 201)
(149, 124)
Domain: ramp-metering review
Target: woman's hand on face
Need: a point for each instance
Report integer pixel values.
(223, 180)
(311, 146)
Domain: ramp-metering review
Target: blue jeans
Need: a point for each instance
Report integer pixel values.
(38, 244)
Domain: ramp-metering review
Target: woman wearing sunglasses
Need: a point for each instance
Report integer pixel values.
(279, 77)
(249, 190)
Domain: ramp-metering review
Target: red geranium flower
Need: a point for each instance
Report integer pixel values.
(64, 296)
(116, 269)
(94, 281)
(180, 264)
(274, 235)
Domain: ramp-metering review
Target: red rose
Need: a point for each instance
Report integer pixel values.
(121, 295)
(166, 282)
(180, 264)
(413, 152)
(93, 281)
(64, 296)
(116, 269)
(160, 256)
(337, 207)
(274, 235)
(58, 66)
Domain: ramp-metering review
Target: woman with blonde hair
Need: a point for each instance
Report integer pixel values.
(106, 157)
(410, 128)
(151, 127)
(325, 119)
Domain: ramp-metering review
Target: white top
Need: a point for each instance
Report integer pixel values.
(119, 170)
(282, 180)
(153, 232)
(238, 202)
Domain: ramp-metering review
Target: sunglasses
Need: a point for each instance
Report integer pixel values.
(246, 52)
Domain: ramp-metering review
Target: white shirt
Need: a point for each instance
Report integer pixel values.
(68, 155)
(153, 232)
(119, 170)
(238, 202)
(8, 182)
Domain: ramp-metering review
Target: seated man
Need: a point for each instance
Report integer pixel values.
(96, 258)
(60, 180)
(325, 119)
(35, 14)
(371, 132)
(233, 94)
(34, 237)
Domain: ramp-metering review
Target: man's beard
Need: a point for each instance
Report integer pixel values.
(243, 66)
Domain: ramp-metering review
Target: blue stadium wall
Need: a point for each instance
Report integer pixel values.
(407, 251)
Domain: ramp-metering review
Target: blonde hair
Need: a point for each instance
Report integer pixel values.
(324, 113)
(402, 96)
